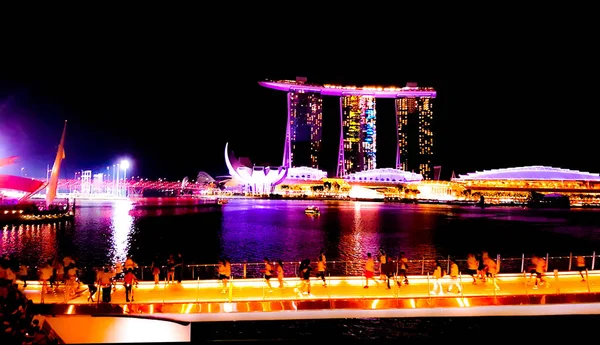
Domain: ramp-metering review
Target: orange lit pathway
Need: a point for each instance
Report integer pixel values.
(343, 297)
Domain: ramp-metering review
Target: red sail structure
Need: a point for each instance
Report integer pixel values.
(52, 187)
(8, 161)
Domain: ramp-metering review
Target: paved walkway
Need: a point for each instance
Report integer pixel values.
(249, 290)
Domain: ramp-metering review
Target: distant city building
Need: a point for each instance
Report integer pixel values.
(414, 117)
(358, 116)
(304, 127)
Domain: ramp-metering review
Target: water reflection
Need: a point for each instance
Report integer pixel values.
(121, 227)
(251, 229)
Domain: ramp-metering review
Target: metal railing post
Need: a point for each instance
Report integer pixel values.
(462, 288)
(428, 287)
(522, 262)
(494, 281)
(423, 265)
(448, 265)
(593, 260)
(570, 260)
(230, 283)
(556, 279)
(198, 290)
(498, 263)
(165, 289)
(245, 269)
(547, 262)
(587, 278)
(193, 270)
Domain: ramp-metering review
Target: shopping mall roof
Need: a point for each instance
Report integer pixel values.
(536, 172)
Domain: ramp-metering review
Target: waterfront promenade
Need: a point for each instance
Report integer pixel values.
(250, 299)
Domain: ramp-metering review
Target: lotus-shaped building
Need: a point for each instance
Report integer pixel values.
(257, 179)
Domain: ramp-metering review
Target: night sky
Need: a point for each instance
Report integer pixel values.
(170, 104)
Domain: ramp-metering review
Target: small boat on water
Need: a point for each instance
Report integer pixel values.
(312, 210)
(222, 201)
(32, 213)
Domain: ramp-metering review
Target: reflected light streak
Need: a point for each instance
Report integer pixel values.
(374, 304)
(189, 308)
(356, 238)
(121, 227)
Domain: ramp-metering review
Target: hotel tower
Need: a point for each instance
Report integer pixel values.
(414, 115)
(358, 117)
(304, 127)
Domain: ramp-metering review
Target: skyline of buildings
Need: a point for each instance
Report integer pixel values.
(358, 126)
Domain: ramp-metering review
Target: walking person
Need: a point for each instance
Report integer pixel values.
(472, 266)
(305, 275)
(540, 273)
(491, 269)
(279, 270)
(23, 274)
(580, 266)
(402, 268)
(438, 274)
(454, 280)
(268, 273)
(382, 265)
(388, 270)
(89, 278)
(105, 281)
(370, 271)
(129, 280)
(321, 270)
(156, 271)
(223, 276)
(179, 268)
(171, 270)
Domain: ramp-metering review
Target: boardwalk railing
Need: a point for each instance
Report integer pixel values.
(356, 268)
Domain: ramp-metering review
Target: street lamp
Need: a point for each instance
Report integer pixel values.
(125, 166)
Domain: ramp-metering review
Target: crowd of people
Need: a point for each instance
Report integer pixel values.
(17, 313)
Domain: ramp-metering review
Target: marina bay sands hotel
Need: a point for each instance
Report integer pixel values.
(358, 117)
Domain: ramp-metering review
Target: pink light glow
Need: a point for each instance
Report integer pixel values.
(350, 91)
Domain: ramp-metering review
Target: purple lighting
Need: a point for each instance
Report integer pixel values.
(331, 90)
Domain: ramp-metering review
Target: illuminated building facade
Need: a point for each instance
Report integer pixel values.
(414, 117)
(304, 129)
(258, 180)
(358, 137)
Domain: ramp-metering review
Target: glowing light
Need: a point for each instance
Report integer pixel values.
(374, 304)
(358, 192)
(125, 164)
(335, 90)
(535, 172)
(121, 223)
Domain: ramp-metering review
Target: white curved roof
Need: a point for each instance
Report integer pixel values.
(536, 172)
(204, 177)
(388, 175)
(306, 173)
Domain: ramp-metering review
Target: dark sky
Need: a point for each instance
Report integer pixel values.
(171, 102)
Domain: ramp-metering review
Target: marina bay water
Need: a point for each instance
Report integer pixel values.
(251, 229)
